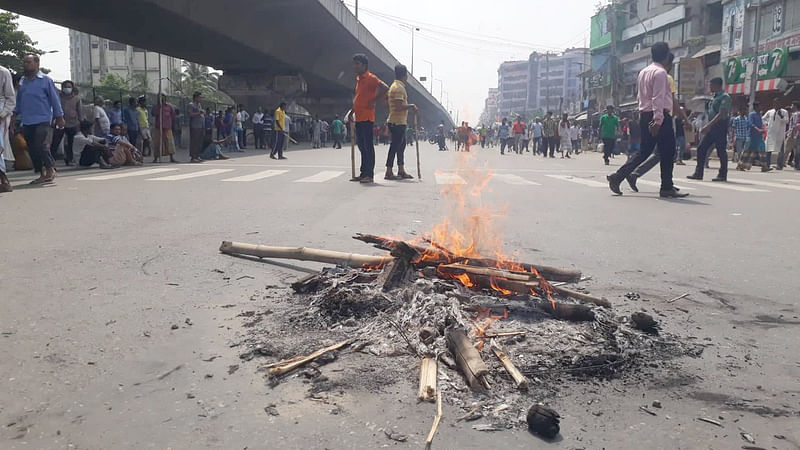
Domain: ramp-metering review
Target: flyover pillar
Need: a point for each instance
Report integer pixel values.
(256, 90)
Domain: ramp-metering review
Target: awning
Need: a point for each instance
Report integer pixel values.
(630, 106)
(773, 84)
(581, 116)
(709, 49)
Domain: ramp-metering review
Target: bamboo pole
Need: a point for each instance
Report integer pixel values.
(519, 379)
(427, 380)
(436, 420)
(295, 362)
(304, 254)
(353, 150)
(416, 140)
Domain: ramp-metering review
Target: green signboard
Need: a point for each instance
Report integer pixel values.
(771, 64)
(600, 36)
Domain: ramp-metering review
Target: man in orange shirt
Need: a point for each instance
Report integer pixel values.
(369, 89)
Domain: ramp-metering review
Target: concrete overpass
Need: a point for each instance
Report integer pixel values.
(269, 50)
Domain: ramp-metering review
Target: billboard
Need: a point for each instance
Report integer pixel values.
(691, 77)
(771, 64)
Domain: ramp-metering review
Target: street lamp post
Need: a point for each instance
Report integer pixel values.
(441, 90)
(754, 62)
(431, 64)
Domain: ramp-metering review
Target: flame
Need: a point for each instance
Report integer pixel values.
(493, 283)
(483, 320)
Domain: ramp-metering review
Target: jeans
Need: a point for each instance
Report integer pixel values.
(537, 145)
(58, 135)
(517, 142)
(397, 146)
(440, 140)
(337, 140)
(239, 138)
(503, 143)
(608, 147)
(717, 137)
(366, 145)
(665, 141)
(258, 134)
(35, 136)
(739, 144)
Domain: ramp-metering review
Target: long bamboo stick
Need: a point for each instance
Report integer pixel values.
(303, 254)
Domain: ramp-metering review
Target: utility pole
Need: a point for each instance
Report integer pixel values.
(412, 49)
(612, 25)
(356, 10)
(547, 82)
(754, 63)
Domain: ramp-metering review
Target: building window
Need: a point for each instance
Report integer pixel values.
(633, 10)
(138, 50)
(94, 45)
(714, 18)
(113, 45)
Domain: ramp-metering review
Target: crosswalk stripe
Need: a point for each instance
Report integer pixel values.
(722, 185)
(765, 183)
(126, 174)
(790, 180)
(258, 175)
(515, 179)
(321, 177)
(449, 178)
(186, 176)
(582, 181)
(658, 184)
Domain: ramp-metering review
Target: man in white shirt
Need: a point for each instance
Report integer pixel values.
(90, 148)
(775, 120)
(656, 124)
(102, 125)
(8, 99)
(244, 117)
(258, 128)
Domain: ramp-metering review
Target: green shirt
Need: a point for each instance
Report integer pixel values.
(608, 126)
(338, 127)
(721, 101)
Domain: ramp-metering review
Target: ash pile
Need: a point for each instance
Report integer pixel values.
(491, 337)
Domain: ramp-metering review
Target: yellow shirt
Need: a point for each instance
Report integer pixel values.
(397, 92)
(143, 121)
(672, 84)
(280, 120)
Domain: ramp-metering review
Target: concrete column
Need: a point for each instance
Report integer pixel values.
(256, 89)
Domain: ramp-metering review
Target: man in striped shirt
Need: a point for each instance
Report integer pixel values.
(398, 122)
(656, 124)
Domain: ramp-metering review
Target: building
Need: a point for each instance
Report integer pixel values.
(777, 46)
(490, 112)
(557, 85)
(93, 57)
(512, 84)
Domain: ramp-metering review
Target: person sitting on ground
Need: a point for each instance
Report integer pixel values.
(213, 149)
(91, 148)
(123, 153)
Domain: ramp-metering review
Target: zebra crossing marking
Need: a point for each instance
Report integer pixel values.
(658, 184)
(582, 181)
(186, 176)
(514, 179)
(258, 175)
(126, 174)
(449, 178)
(765, 183)
(321, 177)
(722, 185)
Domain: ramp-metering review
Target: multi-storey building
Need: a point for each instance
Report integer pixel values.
(558, 85)
(93, 57)
(490, 114)
(513, 87)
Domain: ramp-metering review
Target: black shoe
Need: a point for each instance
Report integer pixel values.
(606, 160)
(631, 179)
(694, 176)
(272, 157)
(719, 179)
(672, 193)
(613, 185)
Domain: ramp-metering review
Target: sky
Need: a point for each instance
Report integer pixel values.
(465, 40)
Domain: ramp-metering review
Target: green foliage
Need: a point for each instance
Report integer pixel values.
(114, 81)
(14, 43)
(199, 78)
(138, 83)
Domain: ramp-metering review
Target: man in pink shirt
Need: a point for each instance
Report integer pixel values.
(656, 124)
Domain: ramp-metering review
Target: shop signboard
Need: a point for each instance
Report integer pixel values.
(771, 64)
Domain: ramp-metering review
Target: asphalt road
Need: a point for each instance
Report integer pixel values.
(96, 269)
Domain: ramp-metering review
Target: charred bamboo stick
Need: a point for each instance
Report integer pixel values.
(304, 254)
(436, 420)
(519, 379)
(582, 297)
(467, 359)
(295, 362)
(427, 380)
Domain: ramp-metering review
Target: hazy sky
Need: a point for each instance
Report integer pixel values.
(465, 40)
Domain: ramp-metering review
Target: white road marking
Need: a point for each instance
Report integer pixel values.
(449, 178)
(582, 181)
(790, 180)
(765, 183)
(126, 174)
(321, 177)
(186, 176)
(723, 185)
(258, 175)
(514, 179)
(658, 184)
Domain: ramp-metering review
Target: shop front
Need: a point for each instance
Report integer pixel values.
(771, 83)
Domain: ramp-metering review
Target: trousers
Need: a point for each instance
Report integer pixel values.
(58, 135)
(665, 141)
(718, 138)
(398, 145)
(35, 136)
(366, 146)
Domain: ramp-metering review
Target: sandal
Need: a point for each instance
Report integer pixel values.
(39, 181)
(405, 176)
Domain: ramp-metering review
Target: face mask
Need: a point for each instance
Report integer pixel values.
(67, 91)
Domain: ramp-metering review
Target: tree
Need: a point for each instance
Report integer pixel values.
(138, 82)
(199, 78)
(114, 81)
(14, 43)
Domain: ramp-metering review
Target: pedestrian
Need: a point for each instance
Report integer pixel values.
(574, 136)
(741, 132)
(219, 125)
(792, 146)
(144, 126)
(338, 132)
(197, 127)
(656, 125)
(177, 128)
(398, 123)
(164, 118)
(755, 144)
(775, 121)
(563, 133)
(280, 132)
(102, 124)
(681, 122)
(586, 136)
(316, 132)
(123, 153)
(38, 103)
(504, 135)
(115, 113)
(369, 90)
(90, 148)
(715, 132)
(258, 128)
(269, 130)
(537, 136)
(208, 122)
(609, 123)
(238, 129)
(483, 134)
(245, 118)
(131, 120)
(229, 129)
(8, 100)
(212, 149)
(441, 137)
(550, 134)
(73, 115)
(518, 130)
(789, 139)
(526, 138)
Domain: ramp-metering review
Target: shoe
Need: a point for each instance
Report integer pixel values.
(631, 179)
(223, 157)
(680, 163)
(613, 185)
(6, 187)
(366, 180)
(282, 157)
(694, 177)
(672, 193)
(719, 179)
(356, 179)
(767, 169)
(606, 160)
(405, 176)
(272, 157)
(390, 176)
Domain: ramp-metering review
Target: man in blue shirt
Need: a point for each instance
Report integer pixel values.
(130, 117)
(504, 134)
(37, 103)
